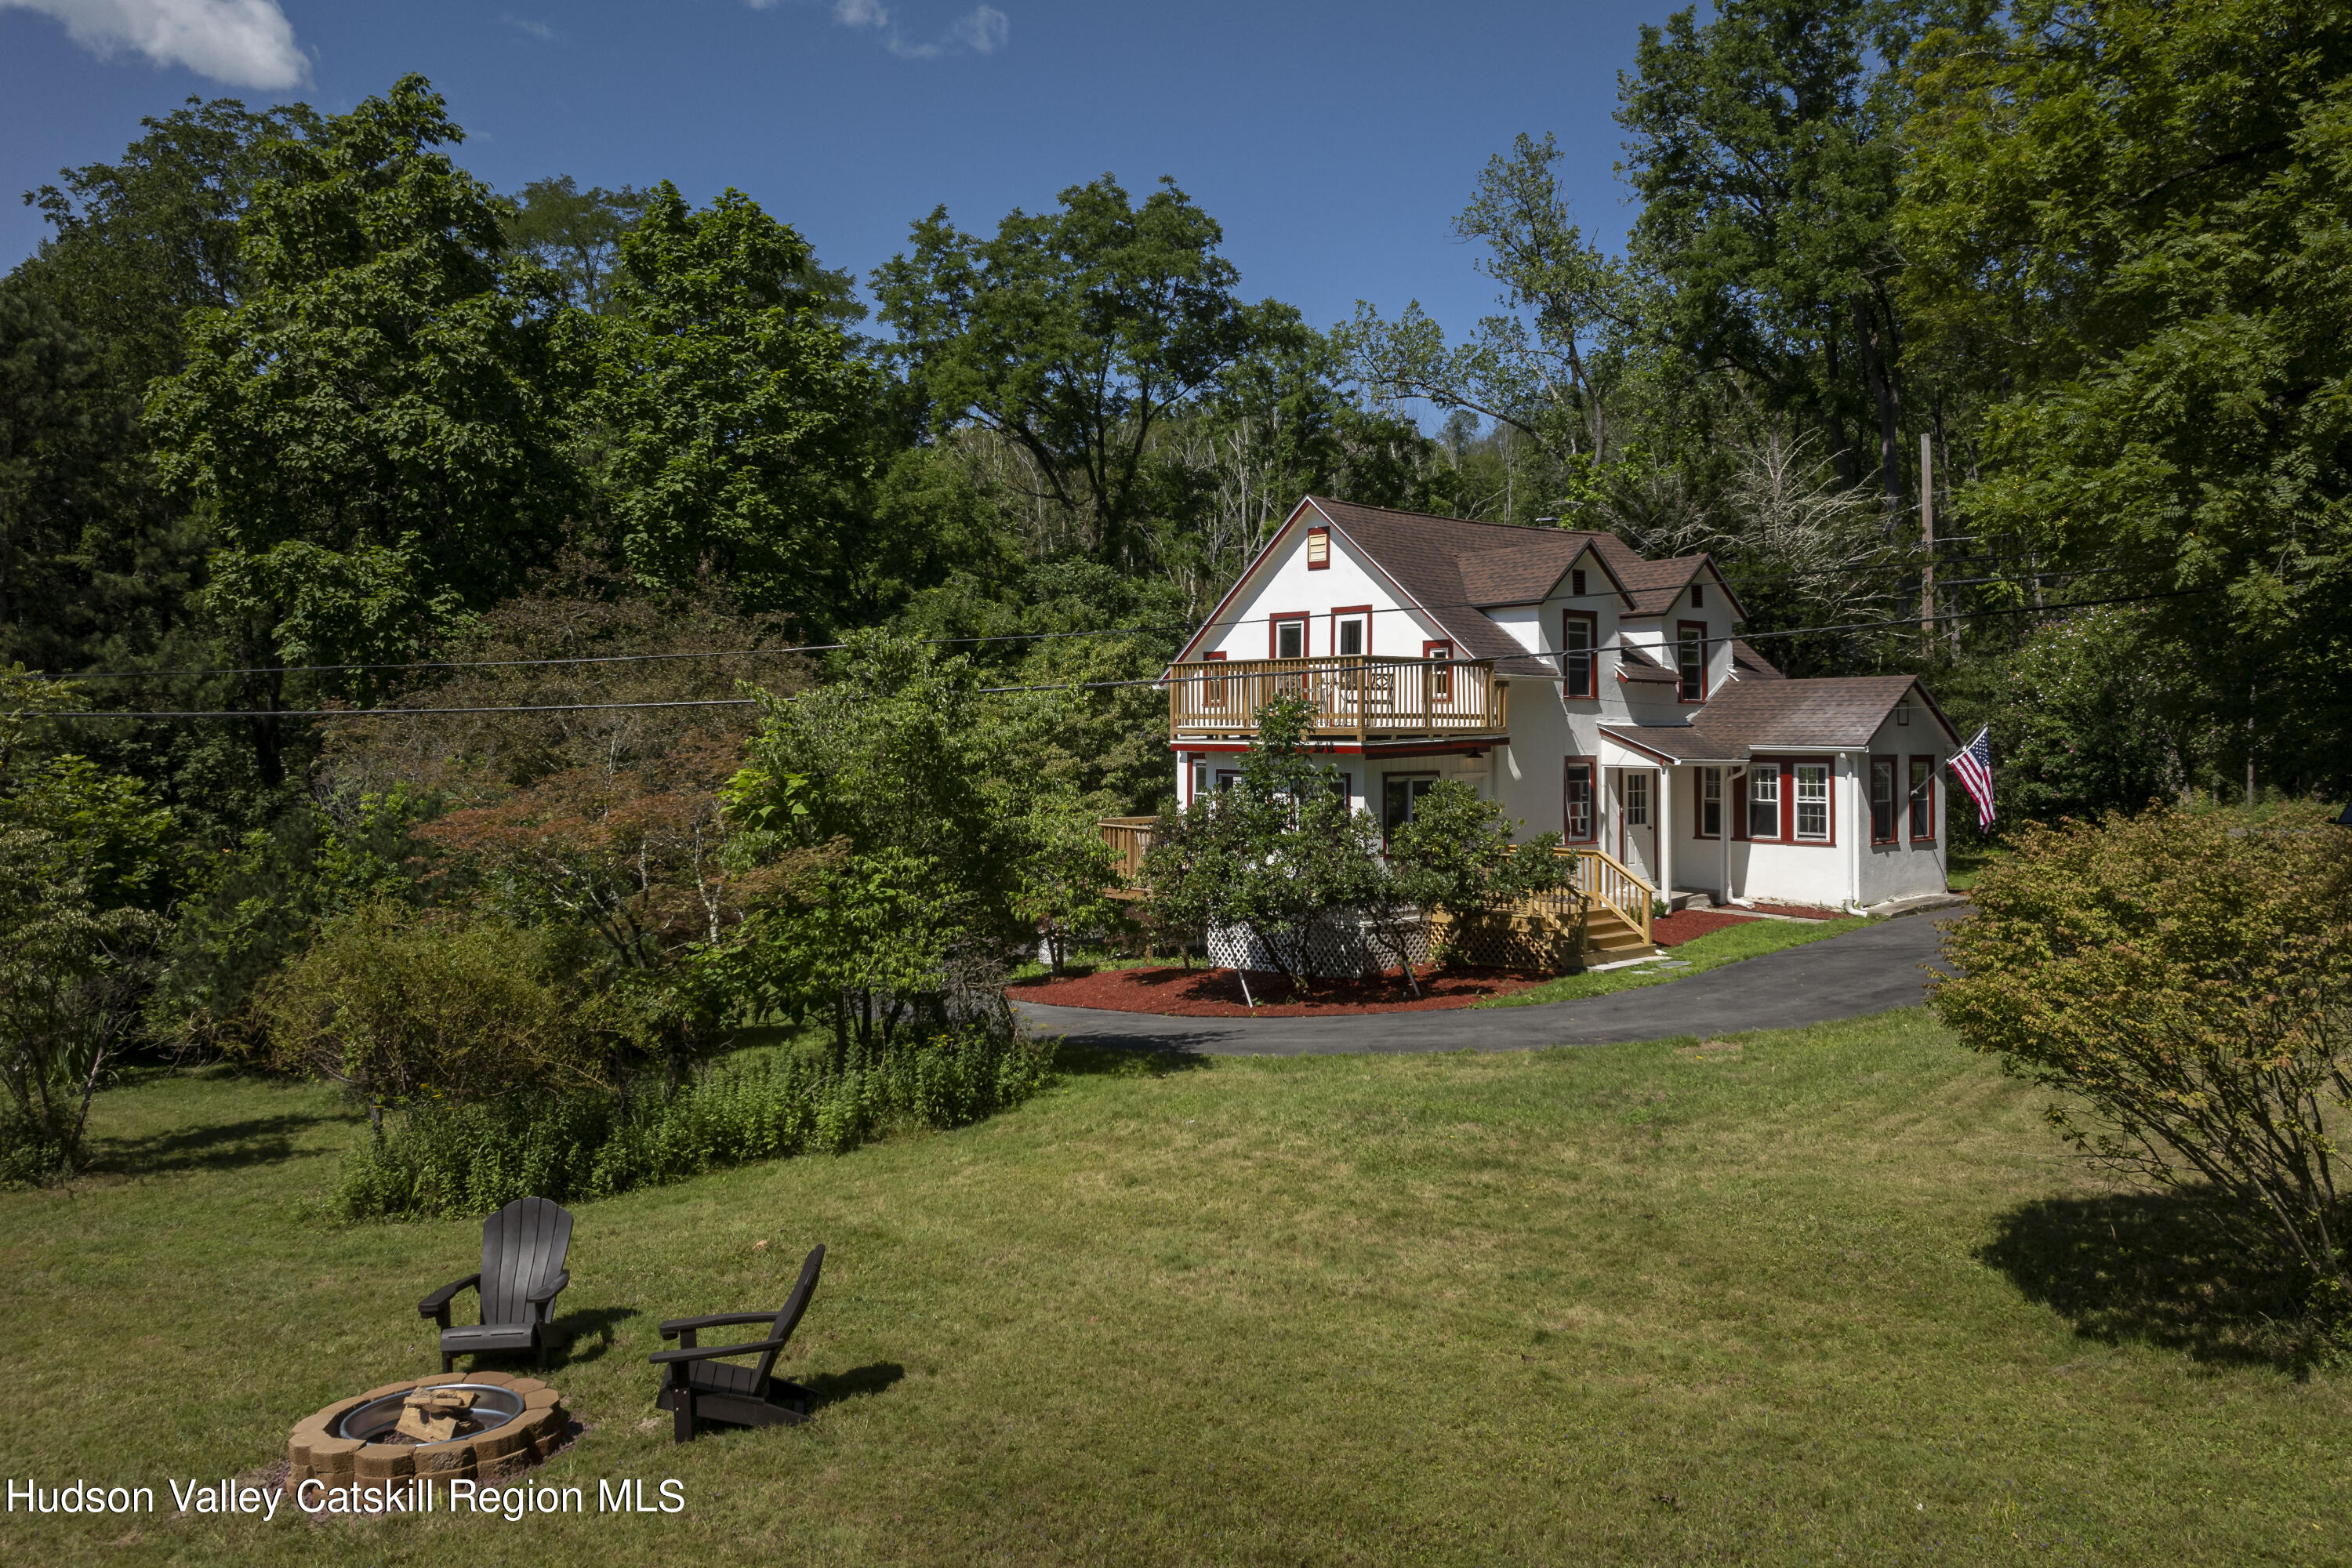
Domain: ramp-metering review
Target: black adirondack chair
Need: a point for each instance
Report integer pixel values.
(696, 1387)
(522, 1270)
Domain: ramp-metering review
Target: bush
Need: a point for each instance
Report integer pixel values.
(442, 1159)
(2187, 981)
(394, 1004)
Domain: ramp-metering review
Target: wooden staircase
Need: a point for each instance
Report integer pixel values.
(1609, 938)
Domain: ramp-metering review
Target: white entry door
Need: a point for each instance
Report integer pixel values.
(1637, 822)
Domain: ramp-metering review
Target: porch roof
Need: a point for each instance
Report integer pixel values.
(1837, 713)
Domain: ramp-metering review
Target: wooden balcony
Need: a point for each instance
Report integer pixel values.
(1356, 697)
(1129, 837)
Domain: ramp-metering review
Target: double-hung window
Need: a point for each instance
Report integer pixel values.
(1290, 637)
(1576, 801)
(1400, 793)
(1882, 800)
(1710, 803)
(1690, 660)
(1764, 801)
(1812, 782)
(1923, 800)
(1577, 665)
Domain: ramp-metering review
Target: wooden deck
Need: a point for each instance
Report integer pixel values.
(1355, 697)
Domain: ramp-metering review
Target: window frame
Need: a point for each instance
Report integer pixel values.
(1591, 652)
(1567, 767)
(1351, 613)
(1702, 778)
(1828, 801)
(1407, 777)
(1212, 692)
(1914, 803)
(1748, 802)
(1277, 621)
(1318, 536)
(1682, 680)
(1441, 677)
(1890, 764)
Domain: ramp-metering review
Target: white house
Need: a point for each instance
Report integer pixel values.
(1588, 691)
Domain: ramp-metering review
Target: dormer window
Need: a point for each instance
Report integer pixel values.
(1576, 583)
(1698, 596)
(1318, 549)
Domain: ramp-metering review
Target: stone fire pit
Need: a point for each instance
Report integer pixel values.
(496, 1425)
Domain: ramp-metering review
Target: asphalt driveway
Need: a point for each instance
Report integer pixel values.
(1867, 970)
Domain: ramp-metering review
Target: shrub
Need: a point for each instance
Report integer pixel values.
(2187, 982)
(442, 1160)
(397, 1004)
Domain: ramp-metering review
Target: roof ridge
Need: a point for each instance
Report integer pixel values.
(1466, 521)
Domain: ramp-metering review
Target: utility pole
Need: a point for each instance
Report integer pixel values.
(1928, 536)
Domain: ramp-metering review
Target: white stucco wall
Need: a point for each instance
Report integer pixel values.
(1907, 867)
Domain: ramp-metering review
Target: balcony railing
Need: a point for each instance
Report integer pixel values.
(1129, 837)
(1354, 695)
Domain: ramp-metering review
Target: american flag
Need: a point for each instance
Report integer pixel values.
(1973, 767)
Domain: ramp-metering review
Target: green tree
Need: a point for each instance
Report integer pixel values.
(1455, 857)
(1763, 158)
(1276, 856)
(893, 801)
(1550, 365)
(372, 427)
(2129, 224)
(576, 234)
(732, 408)
(1071, 335)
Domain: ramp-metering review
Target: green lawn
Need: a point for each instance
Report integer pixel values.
(1831, 1296)
(1750, 939)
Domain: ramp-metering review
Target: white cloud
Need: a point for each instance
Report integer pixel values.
(245, 43)
(984, 31)
(539, 30)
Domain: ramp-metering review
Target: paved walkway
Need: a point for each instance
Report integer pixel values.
(1865, 971)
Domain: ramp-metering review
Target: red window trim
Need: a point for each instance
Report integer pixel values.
(1443, 681)
(1592, 799)
(1698, 801)
(1342, 613)
(1897, 799)
(1323, 564)
(1698, 595)
(1780, 781)
(1592, 651)
(1788, 802)
(1680, 627)
(1933, 814)
(1305, 619)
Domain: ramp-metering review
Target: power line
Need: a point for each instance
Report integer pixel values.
(534, 663)
(1208, 674)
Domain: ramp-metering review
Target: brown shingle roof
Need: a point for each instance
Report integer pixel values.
(1833, 713)
(1634, 663)
(1747, 664)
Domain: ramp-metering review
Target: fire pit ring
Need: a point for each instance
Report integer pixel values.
(520, 1421)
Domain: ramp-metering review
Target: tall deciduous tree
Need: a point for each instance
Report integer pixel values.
(1073, 335)
(372, 429)
(733, 409)
(1762, 156)
(2131, 223)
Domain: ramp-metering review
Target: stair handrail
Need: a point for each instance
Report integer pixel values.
(1605, 877)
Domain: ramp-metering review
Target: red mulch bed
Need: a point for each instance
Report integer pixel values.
(1217, 993)
(1673, 930)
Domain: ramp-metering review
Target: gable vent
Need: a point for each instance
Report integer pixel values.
(1318, 549)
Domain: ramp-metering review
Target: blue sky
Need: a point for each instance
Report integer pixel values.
(1333, 142)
